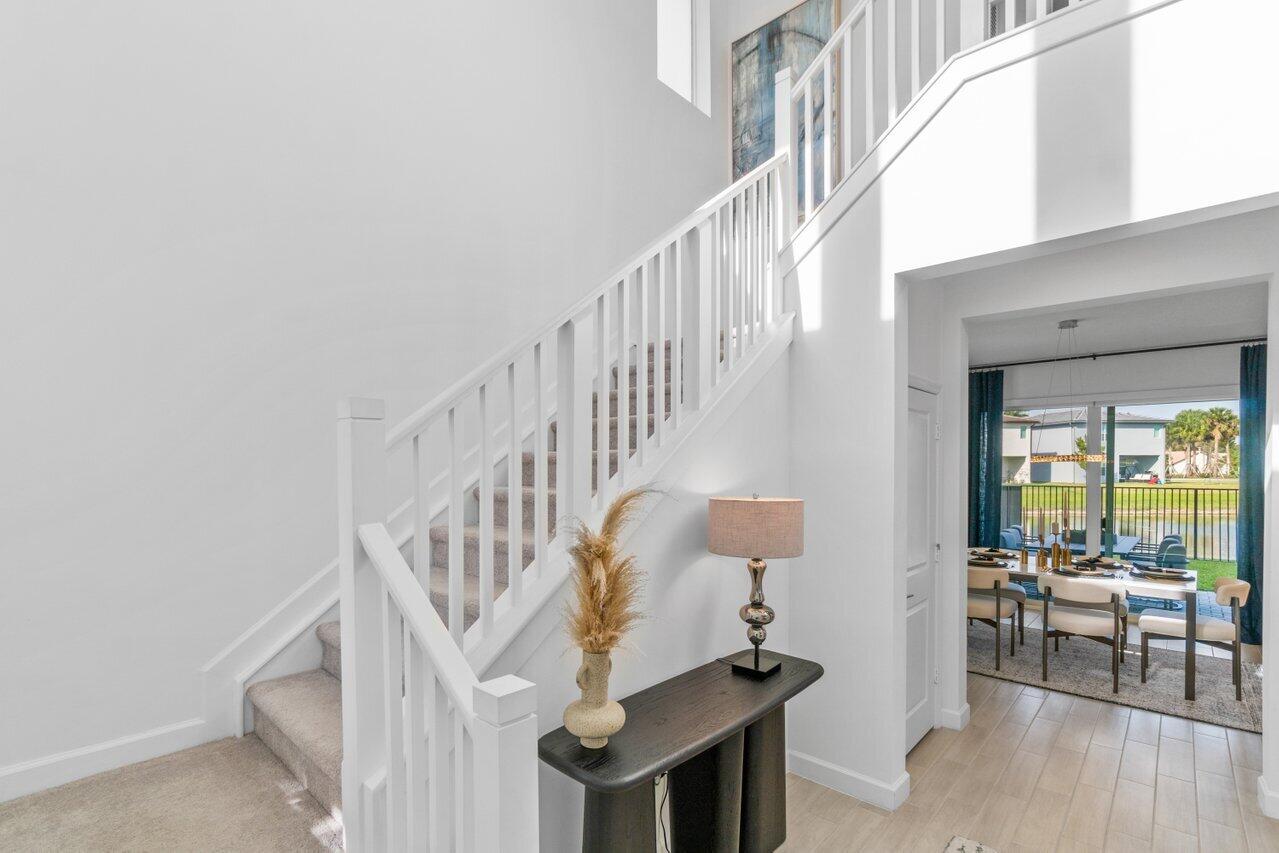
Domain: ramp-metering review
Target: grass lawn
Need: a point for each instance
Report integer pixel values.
(1210, 570)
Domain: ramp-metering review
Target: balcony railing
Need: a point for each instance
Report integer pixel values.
(1205, 517)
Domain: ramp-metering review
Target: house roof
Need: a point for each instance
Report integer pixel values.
(1062, 417)
(1019, 419)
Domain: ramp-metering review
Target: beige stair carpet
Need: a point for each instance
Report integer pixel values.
(229, 795)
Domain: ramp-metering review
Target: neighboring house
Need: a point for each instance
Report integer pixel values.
(1139, 446)
(1016, 448)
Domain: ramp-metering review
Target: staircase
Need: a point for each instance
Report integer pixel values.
(299, 717)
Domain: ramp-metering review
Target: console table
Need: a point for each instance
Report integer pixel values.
(722, 739)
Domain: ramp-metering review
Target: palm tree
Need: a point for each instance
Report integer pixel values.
(1222, 425)
(1187, 431)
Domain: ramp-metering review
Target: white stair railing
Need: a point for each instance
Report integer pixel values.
(434, 758)
(847, 99)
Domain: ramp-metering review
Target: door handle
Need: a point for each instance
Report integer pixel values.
(910, 596)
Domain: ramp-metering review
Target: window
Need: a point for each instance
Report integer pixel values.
(683, 49)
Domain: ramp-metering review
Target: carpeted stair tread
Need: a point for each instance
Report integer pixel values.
(551, 460)
(439, 538)
(501, 499)
(330, 634)
(300, 718)
(631, 435)
(439, 594)
(633, 405)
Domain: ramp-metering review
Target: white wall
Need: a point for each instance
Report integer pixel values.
(692, 597)
(1039, 150)
(218, 220)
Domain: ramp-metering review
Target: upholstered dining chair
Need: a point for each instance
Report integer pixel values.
(1084, 607)
(989, 602)
(1231, 593)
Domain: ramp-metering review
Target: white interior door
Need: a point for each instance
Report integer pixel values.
(921, 563)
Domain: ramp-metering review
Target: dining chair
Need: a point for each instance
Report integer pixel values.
(1153, 552)
(1215, 632)
(1084, 607)
(989, 602)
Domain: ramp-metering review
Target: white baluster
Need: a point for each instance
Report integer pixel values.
(361, 500)
(846, 103)
(439, 745)
(659, 353)
(421, 516)
(717, 291)
(603, 367)
(641, 371)
(677, 338)
(784, 140)
(916, 49)
(828, 128)
(514, 493)
(463, 831)
(541, 499)
(1042, 8)
(810, 149)
(743, 257)
(417, 768)
(699, 295)
(890, 56)
(505, 738)
(573, 416)
(869, 25)
(457, 505)
(624, 383)
(939, 34)
(393, 706)
(486, 514)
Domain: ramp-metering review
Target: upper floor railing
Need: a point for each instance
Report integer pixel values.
(876, 61)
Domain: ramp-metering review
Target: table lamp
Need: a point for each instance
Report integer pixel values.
(756, 528)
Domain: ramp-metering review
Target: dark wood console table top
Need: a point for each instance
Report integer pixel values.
(673, 721)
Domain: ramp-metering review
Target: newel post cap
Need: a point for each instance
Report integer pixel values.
(504, 699)
(361, 409)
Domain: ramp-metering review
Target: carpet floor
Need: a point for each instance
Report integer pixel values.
(1082, 667)
(227, 795)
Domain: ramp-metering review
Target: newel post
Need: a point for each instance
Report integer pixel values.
(506, 817)
(574, 384)
(361, 500)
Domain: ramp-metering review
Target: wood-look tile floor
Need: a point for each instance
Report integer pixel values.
(1038, 770)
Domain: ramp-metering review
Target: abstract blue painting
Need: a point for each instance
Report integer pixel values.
(794, 39)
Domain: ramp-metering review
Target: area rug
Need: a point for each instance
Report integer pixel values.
(1082, 667)
(959, 844)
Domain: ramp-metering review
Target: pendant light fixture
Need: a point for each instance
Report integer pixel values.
(1066, 330)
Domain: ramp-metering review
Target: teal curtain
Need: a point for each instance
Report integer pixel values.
(985, 456)
(1252, 460)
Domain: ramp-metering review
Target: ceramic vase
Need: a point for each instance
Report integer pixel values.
(593, 718)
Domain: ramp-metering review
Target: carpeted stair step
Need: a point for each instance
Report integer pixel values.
(299, 717)
(612, 432)
(502, 499)
(551, 463)
(633, 406)
(649, 373)
(331, 648)
(439, 537)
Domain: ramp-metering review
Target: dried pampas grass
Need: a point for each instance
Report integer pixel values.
(606, 583)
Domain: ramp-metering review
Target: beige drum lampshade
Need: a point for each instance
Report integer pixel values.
(756, 527)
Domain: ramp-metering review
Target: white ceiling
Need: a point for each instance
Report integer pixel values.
(1185, 318)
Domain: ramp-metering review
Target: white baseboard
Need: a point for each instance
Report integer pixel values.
(17, 780)
(886, 795)
(1267, 799)
(949, 718)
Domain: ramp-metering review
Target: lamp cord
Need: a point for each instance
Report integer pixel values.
(661, 809)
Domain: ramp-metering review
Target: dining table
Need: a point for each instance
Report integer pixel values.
(1124, 545)
(1170, 590)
